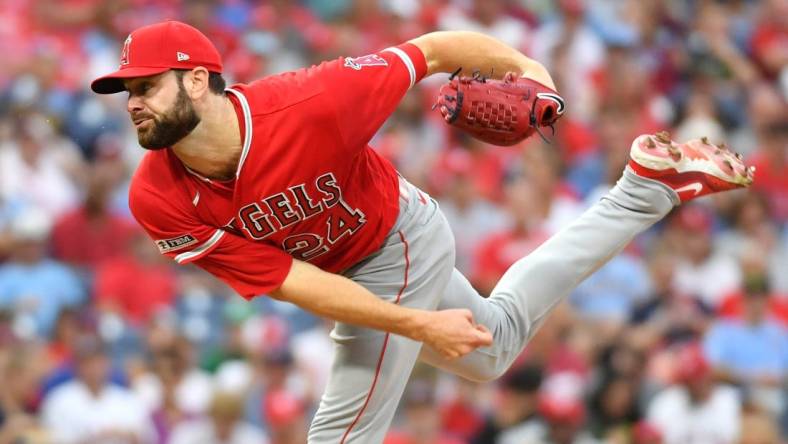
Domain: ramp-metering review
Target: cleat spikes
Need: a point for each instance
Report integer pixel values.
(663, 136)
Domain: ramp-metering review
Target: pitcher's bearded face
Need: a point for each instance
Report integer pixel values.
(160, 125)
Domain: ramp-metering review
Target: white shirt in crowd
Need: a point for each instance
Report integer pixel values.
(202, 432)
(192, 395)
(712, 280)
(72, 414)
(714, 421)
(45, 185)
(537, 432)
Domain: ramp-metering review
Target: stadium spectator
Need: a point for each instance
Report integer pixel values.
(192, 387)
(561, 405)
(771, 162)
(526, 231)
(232, 347)
(768, 39)
(90, 409)
(567, 40)
(136, 283)
(311, 350)
(422, 422)
(285, 415)
(224, 424)
(595, 171)
(89, 235)
(542, 165)
(470, 215)
(167, 368)
(67, 330)
(695, 409)
(765, 106)
(755, 265)
(414, 138)
(614, 408)
(38, 168)
(667, 316)
(462, 412)
(515, 414)
(753, 233)
(19, 401)
(702, 272)
(610, 295)
(752, 352)
(32, 286)
(489, 17)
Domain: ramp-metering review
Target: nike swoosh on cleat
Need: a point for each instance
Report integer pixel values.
(697, 187)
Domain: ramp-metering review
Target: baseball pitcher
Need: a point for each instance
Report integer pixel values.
(273, 188)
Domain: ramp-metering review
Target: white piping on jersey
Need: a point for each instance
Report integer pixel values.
(407, 61)
(195, 173)
(248, 130)
(183, 257)
(196, 199)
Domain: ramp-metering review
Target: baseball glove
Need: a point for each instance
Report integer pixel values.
(500, 112)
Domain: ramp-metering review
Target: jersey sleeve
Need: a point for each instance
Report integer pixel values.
(250, 268)
(362, 92)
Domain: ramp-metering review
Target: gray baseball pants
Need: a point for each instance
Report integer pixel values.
(415, 268)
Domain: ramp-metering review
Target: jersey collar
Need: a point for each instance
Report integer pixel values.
(247, 113)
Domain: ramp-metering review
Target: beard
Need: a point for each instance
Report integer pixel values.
(170, 128)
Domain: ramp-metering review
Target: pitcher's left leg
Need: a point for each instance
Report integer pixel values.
(660, 174)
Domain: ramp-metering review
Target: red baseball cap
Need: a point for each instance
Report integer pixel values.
(154, 49)
(691, 363)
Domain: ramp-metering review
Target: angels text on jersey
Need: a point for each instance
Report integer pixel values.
(267, 216)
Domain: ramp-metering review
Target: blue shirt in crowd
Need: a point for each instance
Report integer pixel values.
(39, 290)
(748, 350)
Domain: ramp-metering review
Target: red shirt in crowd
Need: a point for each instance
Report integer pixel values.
(405, 438)
(499, 251)
(767, 38)
(733, 307)
(308, 185)
(772, 180)
(136, 289)
(81, 240)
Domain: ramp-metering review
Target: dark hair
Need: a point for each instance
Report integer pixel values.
(216, 82)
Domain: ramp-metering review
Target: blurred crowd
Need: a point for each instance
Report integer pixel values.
(681, 339)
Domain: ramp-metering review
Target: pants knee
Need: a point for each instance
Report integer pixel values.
(487, 371)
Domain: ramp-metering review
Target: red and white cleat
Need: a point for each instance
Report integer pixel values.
(691, 169)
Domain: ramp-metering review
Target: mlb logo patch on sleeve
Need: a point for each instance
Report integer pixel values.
(176, 243)
(368, 60)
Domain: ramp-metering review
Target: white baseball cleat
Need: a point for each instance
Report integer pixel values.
(691, 169)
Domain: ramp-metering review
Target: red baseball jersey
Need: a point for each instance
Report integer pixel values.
(308, 185)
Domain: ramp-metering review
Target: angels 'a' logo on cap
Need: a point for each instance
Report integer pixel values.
(124, 55)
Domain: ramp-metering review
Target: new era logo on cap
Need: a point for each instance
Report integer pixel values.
(181, 56)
